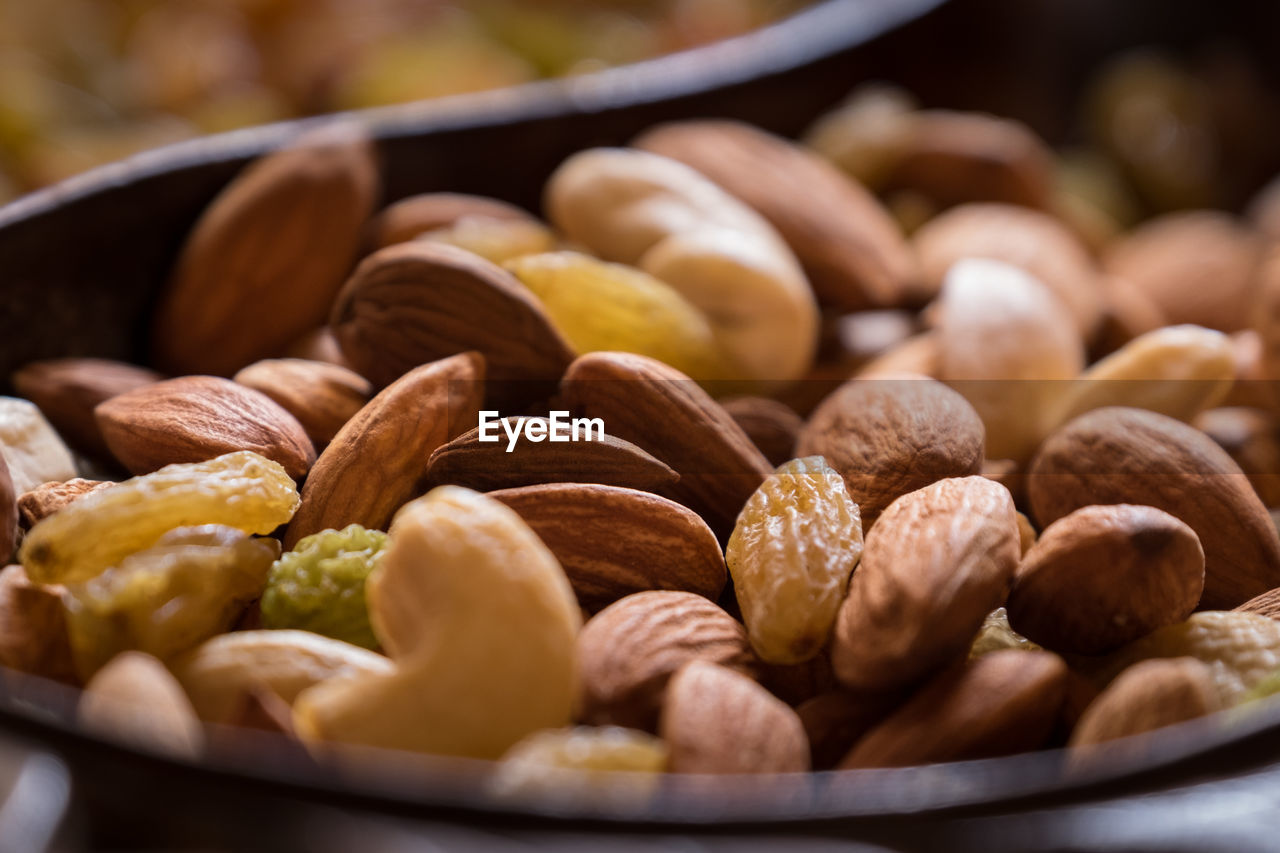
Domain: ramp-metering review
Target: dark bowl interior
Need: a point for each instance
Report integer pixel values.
(81, 262)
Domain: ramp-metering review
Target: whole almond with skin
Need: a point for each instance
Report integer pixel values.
(668, 414)
(999, 704)
(893, 435)
(1267, 604)
(1147, 696)
(484, 466)
(1105, 575)
(852, 251)
(45, 500)
(612, 542)
(412, 217)
(1120, 455)
(377, 462)
(772, 426)
(323, 397)
(33, 628)
(264, 262)
(628, 651)
(194, 418)
(934, 565)
(68, 389)
(715, 720)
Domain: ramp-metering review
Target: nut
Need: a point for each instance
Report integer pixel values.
(134, 699)
(1251, 438)
(323, 397)
(772, 426)
(834, 721)
(1148, 695)
(32, 451)
(414, 216)
(606, 766)
(33, 629)
(8, 512)
(43, 501)
(1267, 604)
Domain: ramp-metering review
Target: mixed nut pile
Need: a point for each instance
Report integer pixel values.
(870, 492)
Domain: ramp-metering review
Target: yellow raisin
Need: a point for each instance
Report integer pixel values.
(242, 490)
(609, 761)
(792, 551)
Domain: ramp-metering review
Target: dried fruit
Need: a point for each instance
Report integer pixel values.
(323, 397)
(32, 450)
(606, 763)
(496, 240)
(134, 699)
(241, 489)
(1148, 695)
(795, 544)
(319, 585)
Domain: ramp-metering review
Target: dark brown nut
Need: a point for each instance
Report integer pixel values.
(935, 564)
(1148, 696)
(323, 397)
(1251, 438)
(715, 720)
(45, 500)
(1105, 575)
(1119, 455)
(999, 704)
(773, 427)
(893, 435)
(414, 216)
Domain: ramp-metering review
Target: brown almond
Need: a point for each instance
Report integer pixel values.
(665, 412)
(998, 704)
(1251, 438)
(612, 542)
(377, 462)
(135, 699)
(33, 628)
(834, 721)
(323, 397)
(1267, 604)
(891, 436)
(8, 513)
(485, 466)
(772, 426)
(417, 302)
(414, 216)
(715, 720)
(44, 500)
(1105, 575)
(194, 418)
(851, 249)
(68, 389)
(935, 564)
(1147, 696)
(317, 345)
(628, 651)
(1120, 455)
(264, 262)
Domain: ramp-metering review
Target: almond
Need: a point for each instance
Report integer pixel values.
(194, 418)
(1105, 575)
(668, 414)
(484, 466)
(999, 704)
(264, 262)
(412, 217)
(852, 251)
(628, 651)
(891, 436)
(612, 542)
(1267, 604)
(772, 426)
(134, 699)
(834, 721)
(318, 345)
(377, 461)
(935, 564)
(715, 720)
(1120, 455)
(323, 397)
(1147, 696)
(1251, 438)
(68, 389)
(33, 628)
(8, 513)
(43, 501)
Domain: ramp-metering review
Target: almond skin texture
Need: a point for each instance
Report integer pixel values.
(999, 704)
(935, 564)
(377, 461)
(1267, 604)
(893, 435)
(8, 513)
(412, 217)
(628, 651)
(851, 249)
(669, 415)
(418, 302)
(267, 257)
(715, 720)
(1120, 455)
(68, 389)
(194, 418)
(1147, 696)
(773, 427)
(45, 500)
(612, 542)
(323, 397)
(1105, 575)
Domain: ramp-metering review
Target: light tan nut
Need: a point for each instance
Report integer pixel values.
(262, 265)
(772, 426)
(851, 249)
(323, 397)
(194, 418)
(222, 671)
(32, 451)
(834, 721)
(377, 461)
(480, 621)
(1251, 438)
(892, 435)
(612, 542)
(1002, 703)
(1104, 576)
(43, 501)
(414, 216)
(935, 564)
(1005, 344)
(628, 651)
(68, 389)
(765, 736)
(33, 630)
(1026, 532)
(1120, 455)
(918, 354)
(791, 553)
(604, 765)
(135, 700)
(637, 208)
(1147, 696)
(1197, 267)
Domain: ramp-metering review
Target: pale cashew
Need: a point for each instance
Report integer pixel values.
(34, 452)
